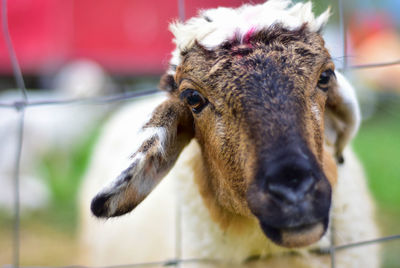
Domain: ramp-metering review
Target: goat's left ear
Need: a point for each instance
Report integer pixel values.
(167, 132)
(167, 83)
(342, 117)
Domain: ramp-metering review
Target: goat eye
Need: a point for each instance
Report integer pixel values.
(194, 99)
(324, 79)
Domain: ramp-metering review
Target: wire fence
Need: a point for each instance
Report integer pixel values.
(24, 103)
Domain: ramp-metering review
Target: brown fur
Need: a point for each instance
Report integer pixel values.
(330, 168)
(231, 156)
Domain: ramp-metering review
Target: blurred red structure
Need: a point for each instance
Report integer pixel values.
(375, 38)
(124, 36)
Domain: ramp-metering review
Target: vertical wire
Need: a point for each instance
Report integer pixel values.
(16, 235)
(344, 66)
(178, 234)
(332, 250)
(11, 52)
(343, 34)
(181, 10)
(20, 107)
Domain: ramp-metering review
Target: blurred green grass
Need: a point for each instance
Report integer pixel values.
(378, 147)
(62, 173)
(48, 237)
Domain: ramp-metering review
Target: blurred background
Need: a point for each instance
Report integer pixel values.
(72, 49)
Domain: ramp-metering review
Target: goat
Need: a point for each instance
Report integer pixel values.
(241, 156)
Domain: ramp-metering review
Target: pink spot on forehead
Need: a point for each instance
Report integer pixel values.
(247, 36)
(244, 38)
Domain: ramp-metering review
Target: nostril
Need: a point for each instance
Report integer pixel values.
(291, 190)
(306, 184)
(282, 192)
(289, 178)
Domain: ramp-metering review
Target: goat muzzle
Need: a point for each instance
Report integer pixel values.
(291, 198)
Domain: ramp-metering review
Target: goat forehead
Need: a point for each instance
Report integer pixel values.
(266, 79)
(299, 51)
(263, 73)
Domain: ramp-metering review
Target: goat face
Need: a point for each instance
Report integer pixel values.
(257, 108)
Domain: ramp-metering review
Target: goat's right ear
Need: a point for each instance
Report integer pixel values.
(167, 132)
(342, 115)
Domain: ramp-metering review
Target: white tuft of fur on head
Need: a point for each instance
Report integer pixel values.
(213, 27)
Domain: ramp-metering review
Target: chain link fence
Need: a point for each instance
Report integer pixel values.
(22, 107)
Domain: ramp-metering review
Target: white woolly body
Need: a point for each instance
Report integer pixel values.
(173, 222)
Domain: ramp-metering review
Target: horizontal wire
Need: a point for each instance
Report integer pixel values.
(7, 105)
(95, 100)
(133, 95)
(215, 261)
(368, 242)
(143, 264)
(375, 65)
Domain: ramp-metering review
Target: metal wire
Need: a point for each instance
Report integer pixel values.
(175, 262)
(178, 216)
(368, 242)
(332, 249)
(17, 218)
(11, 52)
(24, 103)
(167, 263)
(376, 65)
(21, 85)
(343, 33)
(82, 101)
(181, 10)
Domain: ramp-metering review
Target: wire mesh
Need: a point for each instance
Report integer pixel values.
(24, 103)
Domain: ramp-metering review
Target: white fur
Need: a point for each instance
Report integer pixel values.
(148, 132)
(315, 111)
(339, 130)
(143, 134)
(152, 231)
(349, 98)
(229, 23)
(162, 136)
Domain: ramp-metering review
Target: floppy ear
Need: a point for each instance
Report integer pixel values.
(166, 134)
(167, 83)
(342, 117)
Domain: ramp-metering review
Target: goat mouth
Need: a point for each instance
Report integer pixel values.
(294, 237)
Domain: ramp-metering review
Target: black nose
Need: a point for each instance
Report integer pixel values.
(290, 179)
